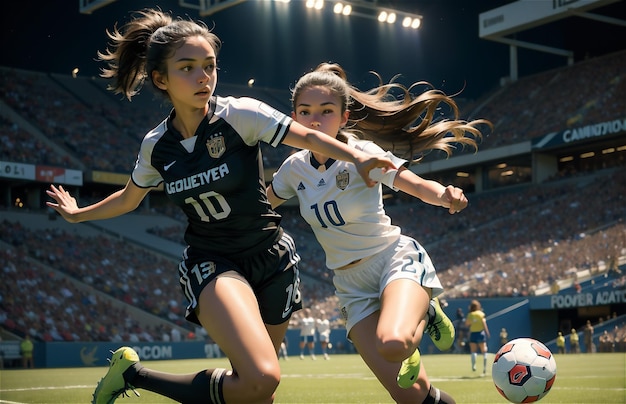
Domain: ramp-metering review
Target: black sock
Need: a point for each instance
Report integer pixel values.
(436, 396)
(202, 387)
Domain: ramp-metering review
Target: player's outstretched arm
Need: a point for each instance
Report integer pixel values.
(116, 204)
(305, 138)
(431, 192)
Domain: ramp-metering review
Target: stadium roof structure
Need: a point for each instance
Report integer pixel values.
(209, 7)
(205, 7)
(381, 10)
(500, 23)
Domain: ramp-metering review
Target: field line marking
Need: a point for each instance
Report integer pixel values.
(46, 388)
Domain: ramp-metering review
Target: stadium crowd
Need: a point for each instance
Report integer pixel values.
(18, 146)
(50, 307)
(520, 110)
(61, 118)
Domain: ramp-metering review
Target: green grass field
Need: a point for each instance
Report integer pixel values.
(597, 378)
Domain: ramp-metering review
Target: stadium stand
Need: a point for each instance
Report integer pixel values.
(61, 308)
(544, 102)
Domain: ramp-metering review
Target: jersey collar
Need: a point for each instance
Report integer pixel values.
(203, 124)
(316, 164)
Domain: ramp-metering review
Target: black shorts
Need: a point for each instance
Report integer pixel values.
(272, 274)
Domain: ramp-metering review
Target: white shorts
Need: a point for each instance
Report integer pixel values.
(359, 287)
(325, 337)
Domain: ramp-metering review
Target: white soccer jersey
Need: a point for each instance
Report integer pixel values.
(347, 216)
(307, 326)
(323, 326)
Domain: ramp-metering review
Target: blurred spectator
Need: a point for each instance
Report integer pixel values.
(574, 342)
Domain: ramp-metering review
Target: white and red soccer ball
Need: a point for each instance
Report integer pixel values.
(523, 370)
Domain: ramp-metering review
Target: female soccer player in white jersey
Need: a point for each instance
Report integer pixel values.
(385, 281)
(307, 333)
(239, 271)
(322, 325)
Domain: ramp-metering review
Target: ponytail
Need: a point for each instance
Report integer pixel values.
(143, 46)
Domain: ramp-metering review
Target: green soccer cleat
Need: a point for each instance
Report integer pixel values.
(112, 385)
(409, 370)
(439, 327)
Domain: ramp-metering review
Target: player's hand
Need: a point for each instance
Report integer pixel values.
(366, 163)
(454, 199)
(65, 203)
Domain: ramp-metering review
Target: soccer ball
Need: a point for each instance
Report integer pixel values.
(523, 370)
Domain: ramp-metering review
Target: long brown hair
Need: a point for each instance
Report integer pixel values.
(475, 305)
(405, 124)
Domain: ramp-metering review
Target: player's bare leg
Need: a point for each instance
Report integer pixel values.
(231, 317)
(404, 304)
(363, 335)
(228, 309)
(277, 333)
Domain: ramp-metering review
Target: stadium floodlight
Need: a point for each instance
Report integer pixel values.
(373, 10)
(316, 4)
(344, 9)
(387, 16)
(369, 9)
(409, 22)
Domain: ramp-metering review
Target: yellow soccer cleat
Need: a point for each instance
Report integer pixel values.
(439, 326)
(112, 385)
(409, 370)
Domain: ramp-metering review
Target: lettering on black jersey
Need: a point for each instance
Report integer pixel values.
(197, 180)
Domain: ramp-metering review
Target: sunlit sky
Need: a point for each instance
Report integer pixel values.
(275, 43)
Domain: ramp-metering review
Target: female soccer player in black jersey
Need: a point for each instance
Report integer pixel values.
(239, 271)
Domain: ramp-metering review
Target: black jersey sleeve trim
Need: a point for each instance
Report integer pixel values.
(144, 187)
(281, 131)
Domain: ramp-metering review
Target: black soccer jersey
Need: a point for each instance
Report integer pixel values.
(216, 176)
